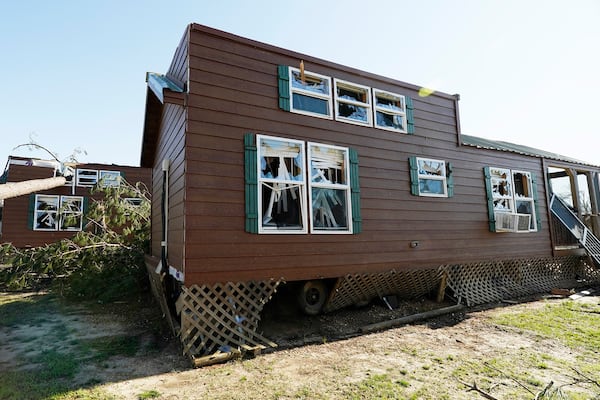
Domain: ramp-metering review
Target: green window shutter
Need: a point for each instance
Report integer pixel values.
(251, 183)
(414, 176)
(283, 77)
(410, 119)
(31, 211)
(355, 192)
(535, 201)
(450, 179)
(490, 198)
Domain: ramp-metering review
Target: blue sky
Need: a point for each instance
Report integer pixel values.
(528, 72)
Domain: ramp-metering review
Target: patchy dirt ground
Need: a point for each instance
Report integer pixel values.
(320, 357)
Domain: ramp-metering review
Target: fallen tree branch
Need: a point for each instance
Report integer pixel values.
(509, 377)
(474, 388)
(543, 392)
(585, 377)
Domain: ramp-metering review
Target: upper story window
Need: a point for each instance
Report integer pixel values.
(311, 93)
(53, 212)
(281, 185)
(329, 194)
(86, 177)
(390, 111)
(353, 103)
(109, 178)
(512, 200)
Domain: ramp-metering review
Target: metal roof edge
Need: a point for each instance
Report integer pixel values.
(489, 144)
(159, 82)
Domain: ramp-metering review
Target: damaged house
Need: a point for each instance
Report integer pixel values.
(50, 215)
(273, 167)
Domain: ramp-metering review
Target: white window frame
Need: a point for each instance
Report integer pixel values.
(279, 184)
(84, 174)
(525, 198)
(323, 183)
(497, 180)
(293, 72)
(511, 199)
(64, 211)
(52, 214)
(108, 178)
(133, 201)
(423, 175)
(399, 112)
(365, 90)
(59, 213)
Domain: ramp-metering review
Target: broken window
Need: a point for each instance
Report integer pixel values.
(282, 185)
(86, 177)
(432, 177)
(390, 111)
(53, 212)
(330, 189)
(46, 213)
(512, 198)
(71, 213)
(109, 178)
(524, 202)
(311, 93)
(352, 103)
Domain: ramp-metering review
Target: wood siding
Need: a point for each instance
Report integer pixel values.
(15, 216)
(233, 91)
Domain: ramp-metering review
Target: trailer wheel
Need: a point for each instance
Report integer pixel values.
(312, 296)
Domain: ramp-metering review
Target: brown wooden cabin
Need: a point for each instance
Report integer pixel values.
(275, 165)
(37, 219)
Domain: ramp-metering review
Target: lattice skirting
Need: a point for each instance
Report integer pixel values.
(486, 282)
(223, 317)
(359, 288)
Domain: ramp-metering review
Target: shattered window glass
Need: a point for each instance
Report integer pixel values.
(432, 177)
(330, 190)
(46, 213)
(353, 103)
(512, 194)
(54, 213)
(390, 111)
(282, 184)
(86, 177)
(311, 93)
(502, 189)
(71, 213)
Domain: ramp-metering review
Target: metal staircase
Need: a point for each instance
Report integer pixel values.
(570, 220)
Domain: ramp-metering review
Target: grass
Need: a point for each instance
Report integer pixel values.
(574, 324)
(51, 358)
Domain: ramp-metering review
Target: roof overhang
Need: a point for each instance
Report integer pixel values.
(161, 90)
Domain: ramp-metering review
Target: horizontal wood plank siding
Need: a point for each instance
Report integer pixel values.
(170, 146)
(233, 91)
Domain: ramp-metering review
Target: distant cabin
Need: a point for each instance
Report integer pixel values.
(40, 218)
(271, 166)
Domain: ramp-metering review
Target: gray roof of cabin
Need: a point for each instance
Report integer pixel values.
(489, 144)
